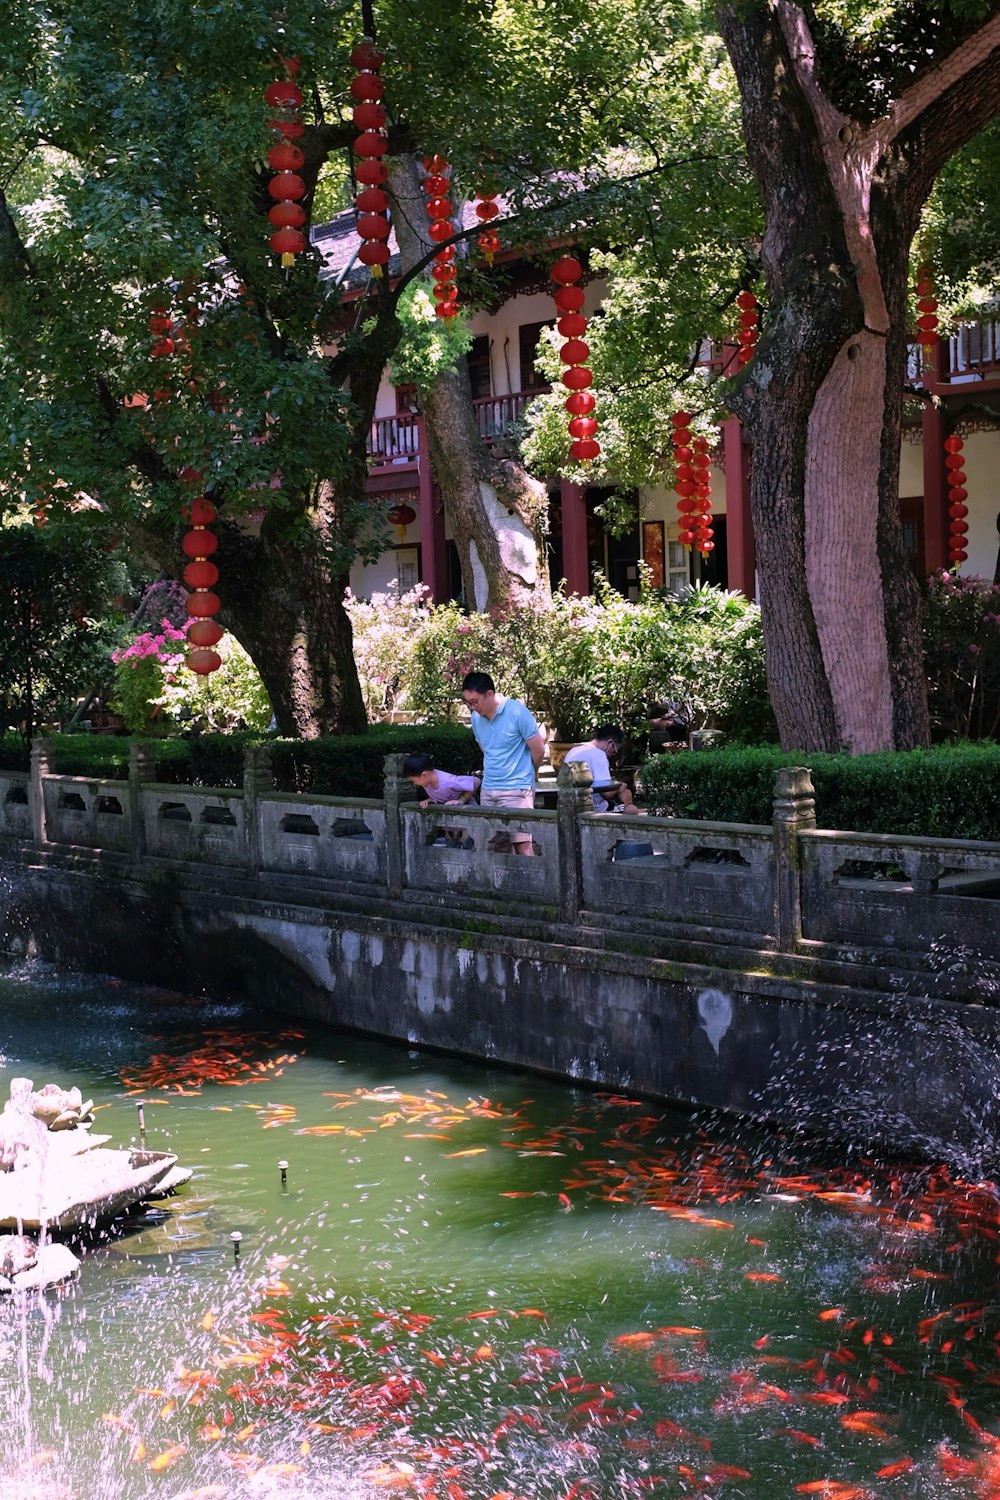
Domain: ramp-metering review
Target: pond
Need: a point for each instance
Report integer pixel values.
(477, 1283)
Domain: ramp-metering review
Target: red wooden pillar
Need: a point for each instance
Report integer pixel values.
(739, 527)
(433, 558)
(576, 570)
(935, 489)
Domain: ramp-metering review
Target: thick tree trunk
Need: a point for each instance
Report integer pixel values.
(498, 512)
(286, 609)
(822, 399)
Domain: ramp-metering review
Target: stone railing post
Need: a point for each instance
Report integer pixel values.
(141, 768)
(394, 853)
(794, 808)
(257, 781)
(36, 792)
(573, 797)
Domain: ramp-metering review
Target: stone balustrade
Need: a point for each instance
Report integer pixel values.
(788, 887)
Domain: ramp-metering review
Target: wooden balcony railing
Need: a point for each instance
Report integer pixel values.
(396, 439)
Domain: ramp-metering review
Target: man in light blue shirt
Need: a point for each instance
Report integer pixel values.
(512, 747)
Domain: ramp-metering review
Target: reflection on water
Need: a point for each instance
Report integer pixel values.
(477, 1284)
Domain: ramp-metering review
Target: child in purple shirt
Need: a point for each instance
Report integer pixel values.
(440, 786)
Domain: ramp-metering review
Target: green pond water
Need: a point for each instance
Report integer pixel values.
(476, 1283)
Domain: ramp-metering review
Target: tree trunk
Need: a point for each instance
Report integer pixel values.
(284, 604)
(286, 608)
(822, 398)
(498, 512)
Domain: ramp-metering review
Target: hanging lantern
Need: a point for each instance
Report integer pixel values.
(692, 485)
(200, 574)
(747, 336)
(439, 214)
(370, 116)
(575, 353)
(488, 243)
(927, 318)
(958, 525)
(401, 516)
(286, 187)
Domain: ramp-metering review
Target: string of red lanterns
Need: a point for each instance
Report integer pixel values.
(958, 526)
(927, 319)
(691, 485)
(285, 158)
(370, 171)
(575, 352)
(440, 209)
(201, 575)
(747, 336)
(487, 243)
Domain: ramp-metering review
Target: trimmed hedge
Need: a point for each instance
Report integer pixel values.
(338, 766)
(351, 765)
(951, 791)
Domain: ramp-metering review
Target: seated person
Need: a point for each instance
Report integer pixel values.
(440, 786)
(667, 722)
(608, 740)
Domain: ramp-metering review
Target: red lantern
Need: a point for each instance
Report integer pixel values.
(486, 210)
(202, 603)
(203, 661)
(370, 116)
(199, 542)
(746, 301)
(373, 227)
(365, 55)
(927, 319)
(287, 215)
(580, 403)
(569, 298)
(201, 574)
(372, 173)
(203, 631)
(285, 157)
(286, 187)
(288, 242)
(440, 208)
(566, 270)
(401, 516)
(375, 255)
(371, 201)
(367, 88)
(574, 352)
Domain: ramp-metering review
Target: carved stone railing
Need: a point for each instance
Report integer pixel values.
(787, 886)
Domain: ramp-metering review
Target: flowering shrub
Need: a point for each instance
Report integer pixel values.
(386, 628)
(961, 625)
(576, 663)
(153, 686)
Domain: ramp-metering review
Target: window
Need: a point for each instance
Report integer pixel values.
(528, 337)
(478, 359)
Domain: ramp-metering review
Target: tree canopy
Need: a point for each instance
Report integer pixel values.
(133, 145)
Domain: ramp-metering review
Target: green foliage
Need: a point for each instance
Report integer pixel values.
(585, 661)
(961, 631)
(386, 629)
(154, 691)
(352, 765)
(57, 628)
(948, 792)
(430, 346)
(339, 766)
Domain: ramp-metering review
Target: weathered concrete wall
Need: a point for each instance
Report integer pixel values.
(859, 1062)
(780, 971)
